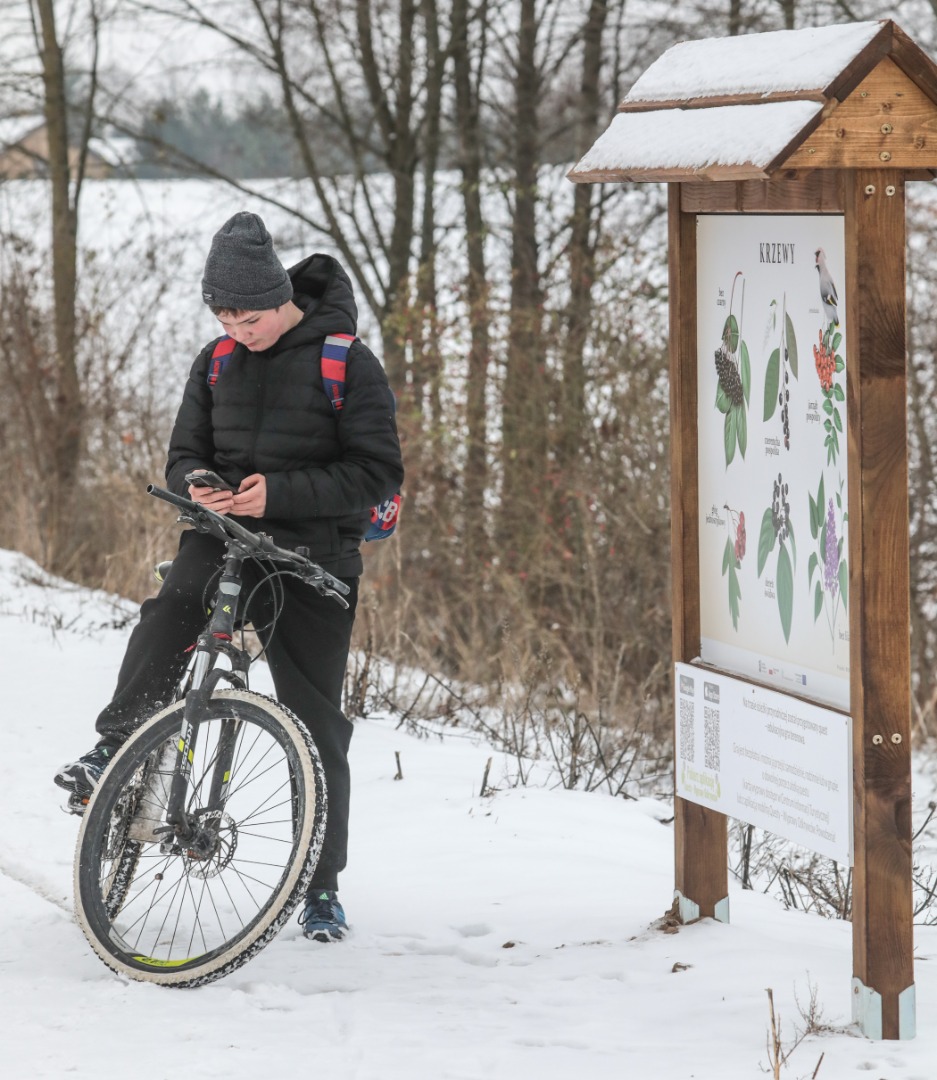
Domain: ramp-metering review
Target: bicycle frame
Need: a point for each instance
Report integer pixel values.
(217, 639)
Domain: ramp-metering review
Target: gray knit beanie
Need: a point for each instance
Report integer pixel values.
(242, 271)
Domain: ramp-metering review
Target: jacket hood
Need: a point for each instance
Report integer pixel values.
(331, 307)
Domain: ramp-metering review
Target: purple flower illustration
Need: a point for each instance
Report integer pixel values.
(830, 589)
(831, 564)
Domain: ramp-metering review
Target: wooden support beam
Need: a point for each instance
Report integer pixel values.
(791, 192)
(879, 585)
(701, 834)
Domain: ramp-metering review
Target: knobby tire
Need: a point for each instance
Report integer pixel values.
(168, 918)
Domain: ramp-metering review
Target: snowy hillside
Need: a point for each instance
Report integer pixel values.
(512, 936)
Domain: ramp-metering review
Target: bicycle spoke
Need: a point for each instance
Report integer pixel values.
(191, 901)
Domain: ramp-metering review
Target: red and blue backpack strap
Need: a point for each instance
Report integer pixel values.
(220, 355)
(334, 360)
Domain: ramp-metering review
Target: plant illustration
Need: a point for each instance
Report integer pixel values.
(732, 560)
(832, 585)
(828, 361)
(777, 530)
(733, 370)
(782, 363)
(829, 364)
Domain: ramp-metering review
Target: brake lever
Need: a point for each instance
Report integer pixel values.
(326, 591)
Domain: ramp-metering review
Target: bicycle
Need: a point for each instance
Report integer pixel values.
(203, 833)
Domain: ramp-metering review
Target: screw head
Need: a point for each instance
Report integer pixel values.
(877, 740)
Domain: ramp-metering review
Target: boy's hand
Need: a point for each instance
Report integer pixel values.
(251, 499)
(221, 502)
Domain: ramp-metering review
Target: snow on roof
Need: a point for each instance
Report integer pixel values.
(696, 138)
(115, 150)
(782, 60)
(15, 128)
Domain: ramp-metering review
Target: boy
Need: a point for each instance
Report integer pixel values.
(300, 472)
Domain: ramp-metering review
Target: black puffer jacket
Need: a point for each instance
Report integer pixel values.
(268, 413)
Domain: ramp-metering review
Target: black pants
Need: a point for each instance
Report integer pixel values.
(307, 653)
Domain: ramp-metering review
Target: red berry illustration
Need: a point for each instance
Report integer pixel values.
(825, 363)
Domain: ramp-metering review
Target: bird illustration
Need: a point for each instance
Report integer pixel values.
(827, 289)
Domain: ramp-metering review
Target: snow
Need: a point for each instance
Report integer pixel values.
(697, 138)
(14, 128)
(511, 936)
(782, 60)
(750, 134)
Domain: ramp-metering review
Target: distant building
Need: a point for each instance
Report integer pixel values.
(24, 151)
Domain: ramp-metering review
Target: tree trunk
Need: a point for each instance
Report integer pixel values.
(581, 246)
(427, 361)
(400, 151)
(468, 124)
(789, 11)
(525, 414)
(65, 438)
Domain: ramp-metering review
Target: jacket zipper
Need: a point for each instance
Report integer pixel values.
(258, 415)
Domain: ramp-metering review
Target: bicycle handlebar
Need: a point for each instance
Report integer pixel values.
(259, 544)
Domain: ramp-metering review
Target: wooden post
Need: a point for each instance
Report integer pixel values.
(700, 834)
(879, 619)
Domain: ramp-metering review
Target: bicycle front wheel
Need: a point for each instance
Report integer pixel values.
(156, 911)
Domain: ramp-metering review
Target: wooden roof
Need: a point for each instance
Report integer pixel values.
(875, 107)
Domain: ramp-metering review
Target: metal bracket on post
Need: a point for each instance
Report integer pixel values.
(688, 910)
(907, 1013)
(867, 1011)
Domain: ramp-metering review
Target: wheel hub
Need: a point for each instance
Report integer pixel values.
(212, 847)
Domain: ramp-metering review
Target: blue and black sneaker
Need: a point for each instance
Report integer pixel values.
(323, 918)
(79, 778)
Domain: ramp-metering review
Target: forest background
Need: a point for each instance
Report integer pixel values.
(522, 321)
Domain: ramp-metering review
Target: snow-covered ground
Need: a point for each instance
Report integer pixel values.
(511, 936)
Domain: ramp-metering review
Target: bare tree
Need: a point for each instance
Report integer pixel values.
(525, 419)
(468, 74)
(582, 240)
(368, 74)
(66, 171)
(427, 358)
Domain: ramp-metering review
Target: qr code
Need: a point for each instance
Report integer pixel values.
(687, 729)
(711, 738)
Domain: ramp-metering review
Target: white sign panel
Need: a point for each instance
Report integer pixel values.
(773, 528)
(766, 758)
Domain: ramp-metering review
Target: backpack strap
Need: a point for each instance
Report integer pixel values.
(220, 355)
(334, 360)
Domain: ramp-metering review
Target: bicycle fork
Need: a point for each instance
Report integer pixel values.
(163, 813)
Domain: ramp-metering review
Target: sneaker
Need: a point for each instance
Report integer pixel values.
(79, 778)
(323, 918)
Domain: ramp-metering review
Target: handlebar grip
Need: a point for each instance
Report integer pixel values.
(171, 497)
(225, 525)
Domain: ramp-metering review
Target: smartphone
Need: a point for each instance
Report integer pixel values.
(208, 479)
